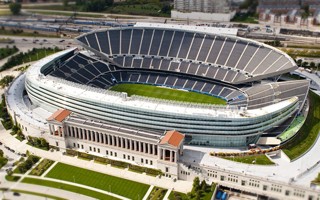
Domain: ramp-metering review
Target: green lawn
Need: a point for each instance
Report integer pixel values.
(123, 187)
(167, 93)
(308, 133)
(12, 178)
(38, 194)
(68, 187)
(254, 159)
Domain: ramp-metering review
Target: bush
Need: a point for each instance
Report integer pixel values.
(26, 165)
(85, 155)
(40, 143)
(102, 160)
(5, 81)
(119, 164)
(71, 152)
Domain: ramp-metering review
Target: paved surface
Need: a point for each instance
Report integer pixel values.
(284, 171)
(148, 192)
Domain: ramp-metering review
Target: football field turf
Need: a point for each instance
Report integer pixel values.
(167, 93)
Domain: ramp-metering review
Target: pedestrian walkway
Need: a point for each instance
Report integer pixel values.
(148, 192)
(167, 194)
(52, 191)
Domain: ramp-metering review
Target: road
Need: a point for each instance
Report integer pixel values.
(26, 43)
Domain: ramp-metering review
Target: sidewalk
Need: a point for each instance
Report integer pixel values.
(51, 191)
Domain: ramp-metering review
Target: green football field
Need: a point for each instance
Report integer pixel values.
(167, 93)
(123, 187)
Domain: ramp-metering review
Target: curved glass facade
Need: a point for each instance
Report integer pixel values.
(202, 130)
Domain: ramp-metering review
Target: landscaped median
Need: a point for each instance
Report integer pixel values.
(254, 159)
(71, 188)
(120, 186)
(307, 135)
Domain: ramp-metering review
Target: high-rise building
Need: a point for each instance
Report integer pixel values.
(207, 6)
(213, 10)
(284, 6)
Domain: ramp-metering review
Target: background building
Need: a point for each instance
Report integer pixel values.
(284, 6)
(216, 10)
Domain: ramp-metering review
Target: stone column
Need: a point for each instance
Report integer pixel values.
(116, 141)
(151, 149)
(170, 159)
(175, 156)
(159, 153)
(121, 142)
(126, 143)
(146, 149)
(92, 136)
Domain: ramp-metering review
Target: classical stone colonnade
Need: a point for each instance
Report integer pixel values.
(114, 140)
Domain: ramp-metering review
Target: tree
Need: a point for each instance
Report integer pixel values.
(203, 185)
(196, 184)
(305, 64)
(95, 5)
(15, 8)
(1, 153)
(5, 81)
(166, 8)
(65, 3)
(312, 65)
(299, 62)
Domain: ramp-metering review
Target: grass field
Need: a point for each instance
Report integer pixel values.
(123, 187)
(67, 187)
(309, 131)
(38, 194)
(254, 159)
(167, 93)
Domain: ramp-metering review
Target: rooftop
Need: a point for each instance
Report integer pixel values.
(173, 138)
(59, 115)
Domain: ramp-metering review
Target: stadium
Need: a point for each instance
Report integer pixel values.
(241, 76)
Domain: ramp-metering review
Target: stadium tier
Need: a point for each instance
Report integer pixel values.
(182, 59)
(224, 58)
